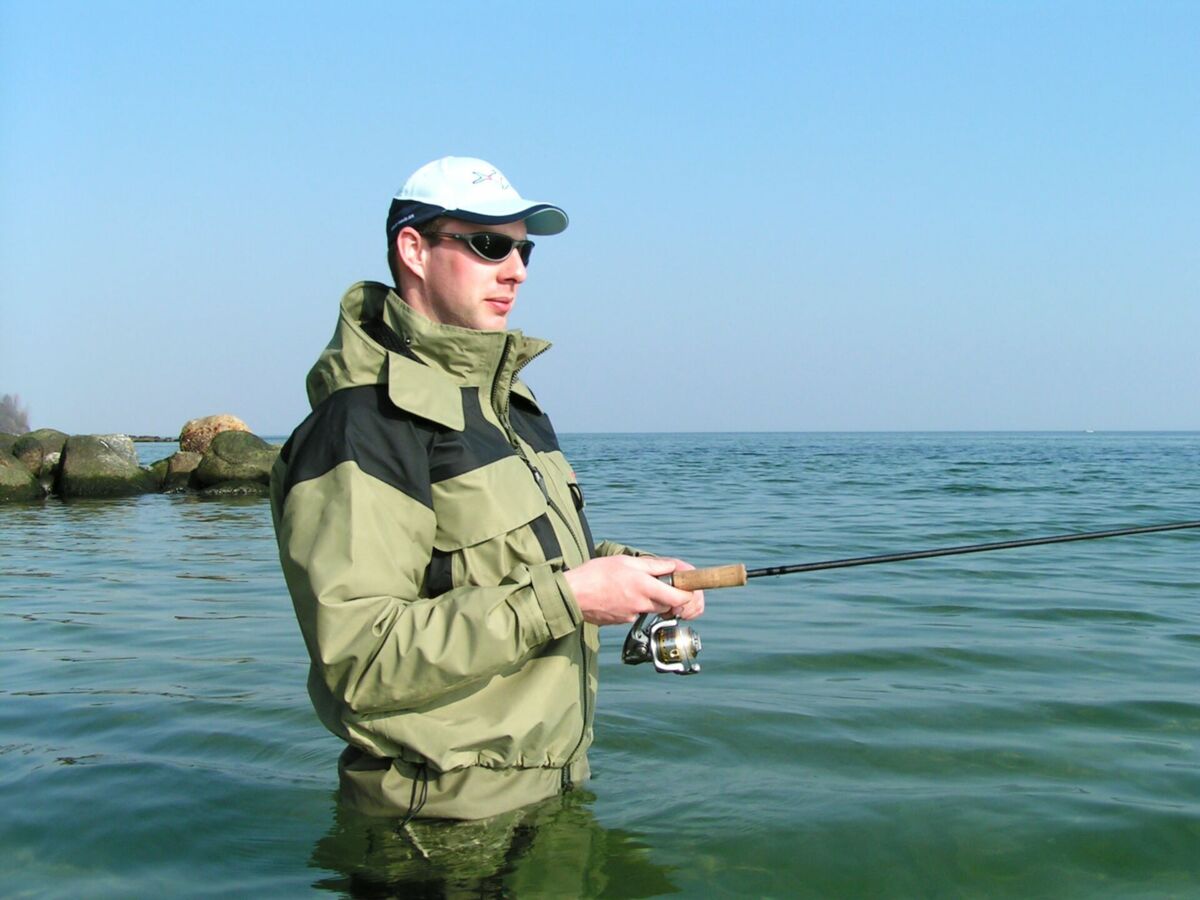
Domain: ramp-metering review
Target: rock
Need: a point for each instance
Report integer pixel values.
(179, 470)
(236, 456)
(50, 469)
(17, 482)
(238, 488)
(158, 473)
(102, 465)
(6, 443)
(197, 434)
(33, 448)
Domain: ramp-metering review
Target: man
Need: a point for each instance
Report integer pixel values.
(432, 533)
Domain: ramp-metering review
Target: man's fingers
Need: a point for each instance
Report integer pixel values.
(670, 600)
(653, 565)
(609, 590)
(667, 597)
(694, 608)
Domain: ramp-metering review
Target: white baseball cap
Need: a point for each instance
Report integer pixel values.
(472, 190)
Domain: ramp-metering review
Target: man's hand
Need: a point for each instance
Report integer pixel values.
(612, 590)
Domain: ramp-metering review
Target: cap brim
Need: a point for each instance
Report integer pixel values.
(539, 218)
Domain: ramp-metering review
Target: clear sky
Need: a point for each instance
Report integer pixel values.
(785, 215)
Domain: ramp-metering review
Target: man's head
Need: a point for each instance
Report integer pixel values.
(457, 241)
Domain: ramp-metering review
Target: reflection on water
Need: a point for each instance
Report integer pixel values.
(553, 848)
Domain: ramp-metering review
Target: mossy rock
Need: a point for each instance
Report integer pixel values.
(235, 456)
(102, 465)
(180, 467)
(17, 483)
(6, 443)
(158, 472)
(34, 447)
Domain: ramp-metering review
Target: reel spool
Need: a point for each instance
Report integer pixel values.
(672, 647)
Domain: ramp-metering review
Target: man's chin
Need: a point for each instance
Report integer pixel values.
(497, 315)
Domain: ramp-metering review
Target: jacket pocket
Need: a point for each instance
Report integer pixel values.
(483, 520)
(563, 484)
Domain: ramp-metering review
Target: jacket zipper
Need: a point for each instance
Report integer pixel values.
(539, 479)
(580, 545)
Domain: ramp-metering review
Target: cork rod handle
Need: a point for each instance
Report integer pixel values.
(707, 579)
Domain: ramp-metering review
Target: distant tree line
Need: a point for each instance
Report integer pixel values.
(13, 418)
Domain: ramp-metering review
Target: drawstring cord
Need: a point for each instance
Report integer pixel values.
(415, 804)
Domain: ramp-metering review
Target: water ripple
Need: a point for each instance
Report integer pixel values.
(1014, 724)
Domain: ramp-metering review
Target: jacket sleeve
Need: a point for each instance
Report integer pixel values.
(355, 532)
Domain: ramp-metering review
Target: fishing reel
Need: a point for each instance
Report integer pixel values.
(672, 647)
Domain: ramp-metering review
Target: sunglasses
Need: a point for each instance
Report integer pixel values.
(489, 245)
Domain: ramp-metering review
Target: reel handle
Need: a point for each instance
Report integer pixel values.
(706, 579)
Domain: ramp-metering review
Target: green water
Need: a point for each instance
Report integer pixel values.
(1015, 724)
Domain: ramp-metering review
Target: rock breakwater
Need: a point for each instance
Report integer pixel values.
(218, 456)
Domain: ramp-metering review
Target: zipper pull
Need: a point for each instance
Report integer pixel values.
(541, 482)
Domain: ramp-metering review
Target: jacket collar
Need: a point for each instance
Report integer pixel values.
(426, 366)
(469, 356)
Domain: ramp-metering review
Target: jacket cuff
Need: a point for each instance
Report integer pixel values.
(556, 600)
(612, 548)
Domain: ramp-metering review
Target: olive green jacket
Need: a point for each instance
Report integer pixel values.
(425, 515)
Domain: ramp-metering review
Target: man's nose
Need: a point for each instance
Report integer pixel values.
(513, 268)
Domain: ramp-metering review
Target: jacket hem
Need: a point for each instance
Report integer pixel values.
(387, 787)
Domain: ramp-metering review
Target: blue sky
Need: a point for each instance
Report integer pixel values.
(786, 216)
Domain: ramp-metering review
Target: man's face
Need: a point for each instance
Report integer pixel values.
(461, 288)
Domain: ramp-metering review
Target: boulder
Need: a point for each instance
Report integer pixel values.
(17, 482)
(102, 465)
(6, 443)
(236, 456)
(179, 468)
(158, 473)
(33, 448)
(197, 435)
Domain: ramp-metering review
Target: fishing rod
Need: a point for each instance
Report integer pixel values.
(736, 575)
(673, 647)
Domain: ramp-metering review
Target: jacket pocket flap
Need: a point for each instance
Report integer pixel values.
(420, 390)
(485, 503)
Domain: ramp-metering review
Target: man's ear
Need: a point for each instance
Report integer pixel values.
(410, 251)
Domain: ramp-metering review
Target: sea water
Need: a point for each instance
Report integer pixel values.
(1023, 723)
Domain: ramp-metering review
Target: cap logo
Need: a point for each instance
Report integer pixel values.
(493, 175)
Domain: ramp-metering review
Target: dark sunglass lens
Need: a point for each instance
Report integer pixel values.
(492, 246)
(526, 251)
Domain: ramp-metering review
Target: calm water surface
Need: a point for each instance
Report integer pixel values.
(1023, 723)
